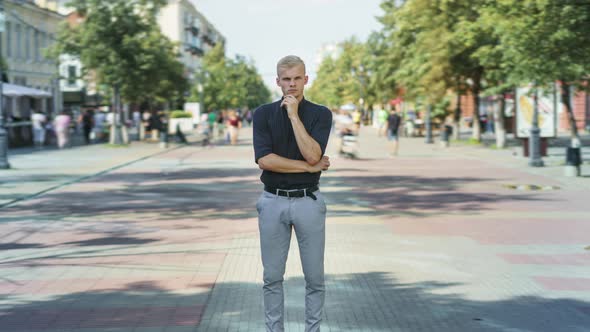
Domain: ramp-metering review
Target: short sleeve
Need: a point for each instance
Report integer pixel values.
(321, 130)
(261, 132)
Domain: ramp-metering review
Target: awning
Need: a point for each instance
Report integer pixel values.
(13, 90)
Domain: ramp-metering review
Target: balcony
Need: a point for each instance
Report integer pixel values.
(193, 49)
(210, 39)
(192, 28)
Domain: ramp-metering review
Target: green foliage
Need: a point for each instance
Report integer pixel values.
(344, 79)
(120, 42)
(228, 83)
(441, 109)
(473, 141)
(180, 114)
(541, 41)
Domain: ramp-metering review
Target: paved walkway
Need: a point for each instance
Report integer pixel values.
(433, 240)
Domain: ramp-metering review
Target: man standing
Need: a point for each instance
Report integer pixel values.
(290, 138)
(393, 122)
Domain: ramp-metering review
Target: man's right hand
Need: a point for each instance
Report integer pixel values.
(322, 165)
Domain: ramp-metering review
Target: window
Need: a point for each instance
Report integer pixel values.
(72, 75)
(19, 39)
(8, 40)
(36, 47)
(27, 43)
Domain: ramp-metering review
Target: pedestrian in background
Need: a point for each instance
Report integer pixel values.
(249, 117)
(382, 116)
(290, 138)
(356, 119)
(221, 124)
(61, 124)
(234, 123)
(39, 120)
(393, 122)
(212, 120)
(99, 125)
(86, 120)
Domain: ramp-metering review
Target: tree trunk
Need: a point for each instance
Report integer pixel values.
(475, 90)
(457, 118)
(565, 99)
(116, 136)
(499, 123)
(476, 125)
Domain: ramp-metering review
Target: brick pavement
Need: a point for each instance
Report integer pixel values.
(429, 241)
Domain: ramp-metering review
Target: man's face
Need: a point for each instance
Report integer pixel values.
(292, 80)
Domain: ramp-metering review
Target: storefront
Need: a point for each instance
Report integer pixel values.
(19, 103)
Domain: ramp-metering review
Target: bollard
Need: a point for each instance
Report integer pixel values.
(573, 160)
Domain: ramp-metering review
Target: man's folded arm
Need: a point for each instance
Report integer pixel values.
(275, 163)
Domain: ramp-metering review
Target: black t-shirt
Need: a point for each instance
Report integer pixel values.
(273, 133)
(393, 122)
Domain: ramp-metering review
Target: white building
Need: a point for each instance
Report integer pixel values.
(185, 25)
(29, 29)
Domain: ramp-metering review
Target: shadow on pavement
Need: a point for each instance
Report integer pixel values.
(214, 193)
(377, 302)
(354, 302)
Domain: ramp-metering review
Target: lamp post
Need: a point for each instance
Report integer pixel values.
(535, 136)
(428, 124)
(3, 134)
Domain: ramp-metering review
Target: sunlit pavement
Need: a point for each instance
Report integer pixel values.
(432, 240)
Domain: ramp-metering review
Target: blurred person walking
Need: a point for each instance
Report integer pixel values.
(86, 120)
(356, 118)
(234, 123)
(99, 125)
(61, 124)
(382, 116)
(39, 120)
(290, 138)
(393, 123)
(221, 118)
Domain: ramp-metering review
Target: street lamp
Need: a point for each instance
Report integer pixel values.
(535, 136)
(3, 134)
(428, 124)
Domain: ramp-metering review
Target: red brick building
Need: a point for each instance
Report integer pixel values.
(581, 105)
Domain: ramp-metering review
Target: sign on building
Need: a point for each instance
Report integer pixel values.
(549, 103)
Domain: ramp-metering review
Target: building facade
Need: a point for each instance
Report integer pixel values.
(29, 29)
(185, 25)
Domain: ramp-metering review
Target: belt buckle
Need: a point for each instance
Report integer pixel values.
(285, 190)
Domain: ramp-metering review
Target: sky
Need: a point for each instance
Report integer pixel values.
(267, 30)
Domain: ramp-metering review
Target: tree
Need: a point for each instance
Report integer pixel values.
(433, 47)
(344, 78)
(543, 41)
(121, 43)
(324, 89)
(228, 83)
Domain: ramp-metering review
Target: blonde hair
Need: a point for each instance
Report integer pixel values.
(290, 61)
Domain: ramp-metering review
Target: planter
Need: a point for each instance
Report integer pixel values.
(186, 125)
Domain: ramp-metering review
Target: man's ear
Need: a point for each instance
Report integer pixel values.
(305, 80)
(278, 80)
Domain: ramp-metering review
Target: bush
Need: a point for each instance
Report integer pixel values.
(180, 114)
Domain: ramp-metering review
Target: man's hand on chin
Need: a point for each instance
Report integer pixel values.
(291, 104)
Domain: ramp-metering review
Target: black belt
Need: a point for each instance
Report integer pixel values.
(293, 192)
